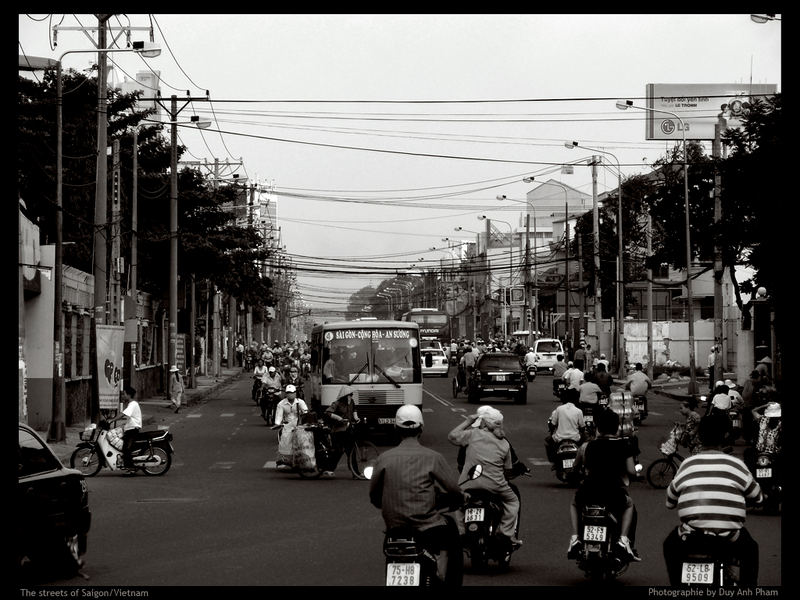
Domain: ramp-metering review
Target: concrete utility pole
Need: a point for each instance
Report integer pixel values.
(719, 364)
(100, 264)
(598, 300)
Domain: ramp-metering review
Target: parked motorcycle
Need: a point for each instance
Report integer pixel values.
(600, 557)
(483, 510)
(102, 447)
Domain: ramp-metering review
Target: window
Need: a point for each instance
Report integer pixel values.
(33, 456)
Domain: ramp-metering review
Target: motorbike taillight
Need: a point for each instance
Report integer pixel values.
(763, 461)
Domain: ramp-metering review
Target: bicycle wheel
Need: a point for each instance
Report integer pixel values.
(364, 454)
(660, 472)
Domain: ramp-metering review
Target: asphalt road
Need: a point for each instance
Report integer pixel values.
(222, 516)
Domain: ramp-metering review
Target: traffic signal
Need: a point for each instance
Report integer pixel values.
(529, 314)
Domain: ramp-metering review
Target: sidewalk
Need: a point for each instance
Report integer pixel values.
(156, 411)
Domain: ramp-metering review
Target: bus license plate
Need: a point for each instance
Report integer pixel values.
(697, 573)
(473, 514)
(764, 473)
(402, 574)
(594, 533)
(568, 462)
(385, 420)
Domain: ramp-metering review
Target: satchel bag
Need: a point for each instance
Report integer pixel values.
(303, 455)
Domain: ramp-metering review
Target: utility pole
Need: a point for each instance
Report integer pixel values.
(100, 264)
(718, 267)
(115, 315)
(527, 276)
(598, 300)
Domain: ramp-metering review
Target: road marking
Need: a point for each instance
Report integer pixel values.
(228, 415)
(222, 465)
(194, 416)
(539, 462)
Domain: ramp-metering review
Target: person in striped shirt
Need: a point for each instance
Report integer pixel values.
(711, 491)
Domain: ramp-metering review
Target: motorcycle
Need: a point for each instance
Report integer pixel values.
(768, 477)
(736, 425)
(588, 420)
(566, 454)
(559, 388)
(102, 447)
(600, 557)
(482, 513)
(531, 372)
(267, 401)
(408, 562)
(640, 409)
(708, 562)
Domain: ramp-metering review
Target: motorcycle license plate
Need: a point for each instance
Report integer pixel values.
(402, 574)
(764, 473)
(603, 402)
(568, 462)
(735, 423)
(588, 418)
(473, 514)
(702, 573)
(386, 421)
(594, 533)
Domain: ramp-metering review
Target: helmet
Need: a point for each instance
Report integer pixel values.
(290, 388)
(272, 369)
(408, 417)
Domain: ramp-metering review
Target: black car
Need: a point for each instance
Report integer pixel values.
(52, 517)
(498, 374)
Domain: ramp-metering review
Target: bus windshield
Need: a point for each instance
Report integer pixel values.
(371, 356)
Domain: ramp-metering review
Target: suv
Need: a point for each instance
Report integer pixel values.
(53, 516)
(498, 374)
(546, 350)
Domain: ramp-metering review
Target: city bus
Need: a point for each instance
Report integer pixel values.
(434, 326)
(379, 359)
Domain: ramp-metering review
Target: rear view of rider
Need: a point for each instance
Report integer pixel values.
(413, 485)
(492, 452)
(711, 491)
(608, 462)
(566, 422)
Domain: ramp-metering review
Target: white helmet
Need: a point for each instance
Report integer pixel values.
(408, 417)
(290, 389)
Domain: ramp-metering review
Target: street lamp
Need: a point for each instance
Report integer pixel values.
(620, 345)
(510, 265)
(623, 105)
(57, 432)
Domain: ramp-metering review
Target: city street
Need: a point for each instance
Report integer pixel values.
(223, 516)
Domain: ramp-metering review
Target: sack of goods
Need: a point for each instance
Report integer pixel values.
(669, 446)
(303, 449)
(285, 445)
(115, 437)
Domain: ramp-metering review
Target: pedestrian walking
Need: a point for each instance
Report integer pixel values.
(175, 387)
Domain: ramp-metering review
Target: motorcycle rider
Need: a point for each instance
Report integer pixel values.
(411, 484)
(566, 422)
(271, 380)
(486, 446)
(769, 431)
(259, 373)
(290, 409)
(603, 378)
(341, 413)
(711, 491)
(530, 359)
(132, 414)
(573, 377)
(294, 379)
(559, 368)
(608, 462)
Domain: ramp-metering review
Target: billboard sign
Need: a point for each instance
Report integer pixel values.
(698, 105)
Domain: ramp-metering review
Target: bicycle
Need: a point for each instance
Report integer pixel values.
(661, 471)
(363, 454)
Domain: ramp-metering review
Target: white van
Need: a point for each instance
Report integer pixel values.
(546, 350)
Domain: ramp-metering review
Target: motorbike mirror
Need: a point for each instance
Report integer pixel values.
(475, 472)
(368, 472)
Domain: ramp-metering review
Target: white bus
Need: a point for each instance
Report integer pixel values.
(379, 359)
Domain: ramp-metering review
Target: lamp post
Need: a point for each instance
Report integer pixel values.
(623, 105)
(510, 266)
(620, 339)
(173, 217)
(57, 431)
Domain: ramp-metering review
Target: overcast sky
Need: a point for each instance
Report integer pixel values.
(382, 133)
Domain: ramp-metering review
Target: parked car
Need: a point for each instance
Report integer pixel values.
(546, 350)
(52, 519)
(498, 374)
(434, 362)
